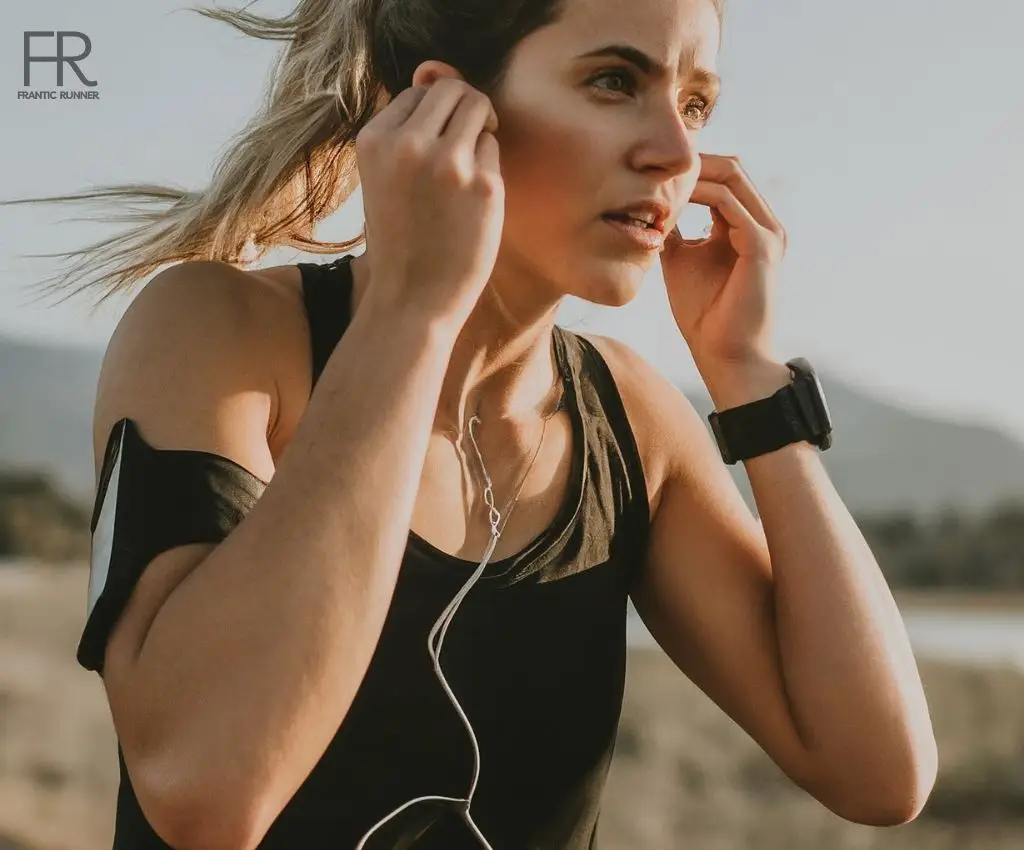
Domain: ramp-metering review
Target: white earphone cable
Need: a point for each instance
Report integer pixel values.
(440, 630)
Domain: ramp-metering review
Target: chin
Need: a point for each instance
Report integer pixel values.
(612, 283)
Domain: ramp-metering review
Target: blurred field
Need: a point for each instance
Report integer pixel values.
(684, 777)
(946, 599)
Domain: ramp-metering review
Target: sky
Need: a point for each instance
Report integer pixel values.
(887, 138)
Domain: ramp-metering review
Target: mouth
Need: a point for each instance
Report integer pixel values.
(640, 233)
(647, 215)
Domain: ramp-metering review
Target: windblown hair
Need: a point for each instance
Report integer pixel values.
(295, 162)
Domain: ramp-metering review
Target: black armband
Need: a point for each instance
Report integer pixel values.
(149, 501)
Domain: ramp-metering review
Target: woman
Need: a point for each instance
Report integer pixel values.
(311, 476)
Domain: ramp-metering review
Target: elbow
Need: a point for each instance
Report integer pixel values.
(896, 799)
(187, 815)
(895, 810)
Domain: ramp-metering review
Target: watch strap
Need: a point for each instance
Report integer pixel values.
(762, 426)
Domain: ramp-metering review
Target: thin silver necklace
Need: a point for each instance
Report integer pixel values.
(499, 519)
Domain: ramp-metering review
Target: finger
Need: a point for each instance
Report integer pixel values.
(399, 109)
(473, 115)
(728, 171)
(434, 112)
(721, 198)
(487, 152)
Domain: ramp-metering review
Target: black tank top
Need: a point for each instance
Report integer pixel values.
(535, 654)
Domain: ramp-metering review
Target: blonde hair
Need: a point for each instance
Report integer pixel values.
(295, 162)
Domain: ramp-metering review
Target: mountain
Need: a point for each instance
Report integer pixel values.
(46, 400)
(884, 458)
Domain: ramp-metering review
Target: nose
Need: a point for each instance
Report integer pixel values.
(666, 145)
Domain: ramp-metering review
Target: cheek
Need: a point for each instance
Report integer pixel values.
(554, 167)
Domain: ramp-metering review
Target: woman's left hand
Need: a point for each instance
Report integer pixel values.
(720, 287)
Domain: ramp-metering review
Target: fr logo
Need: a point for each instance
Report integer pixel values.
(62, 56)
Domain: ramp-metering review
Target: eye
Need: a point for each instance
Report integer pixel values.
(616, 74)
(698, 110)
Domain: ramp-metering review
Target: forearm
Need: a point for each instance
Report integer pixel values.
(253, 661)
(850, 674)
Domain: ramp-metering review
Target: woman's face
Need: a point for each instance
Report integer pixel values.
(581, 136)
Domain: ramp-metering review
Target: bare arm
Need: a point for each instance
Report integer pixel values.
(232, 668)
(833, 644)
(791, 629)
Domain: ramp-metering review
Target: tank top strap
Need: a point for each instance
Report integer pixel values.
(327, 295)
(609, 434)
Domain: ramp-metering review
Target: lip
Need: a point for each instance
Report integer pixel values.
(647, 205)
(646, 238)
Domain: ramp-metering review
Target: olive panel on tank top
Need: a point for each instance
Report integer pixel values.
(535, 654)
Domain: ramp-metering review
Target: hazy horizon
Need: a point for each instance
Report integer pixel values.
(883, 136)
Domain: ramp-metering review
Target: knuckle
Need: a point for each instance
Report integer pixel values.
(478, 97)
(409, 149)
(451, 172)
(487, 186)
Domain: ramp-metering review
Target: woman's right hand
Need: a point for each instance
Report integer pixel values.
(434, 200)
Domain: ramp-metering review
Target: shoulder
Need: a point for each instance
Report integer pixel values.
(665, 423)
(210, 302)
(214, 337)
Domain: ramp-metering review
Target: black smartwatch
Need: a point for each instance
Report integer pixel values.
(796, 413)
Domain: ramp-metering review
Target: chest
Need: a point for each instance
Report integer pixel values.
(532, 478)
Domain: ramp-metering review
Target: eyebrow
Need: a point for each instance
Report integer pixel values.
(650, 66)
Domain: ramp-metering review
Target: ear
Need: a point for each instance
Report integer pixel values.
(431, 71)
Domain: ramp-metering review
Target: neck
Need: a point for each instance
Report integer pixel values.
(502, 367)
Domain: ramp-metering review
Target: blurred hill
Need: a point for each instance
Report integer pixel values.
(46, 400)
(885, 458)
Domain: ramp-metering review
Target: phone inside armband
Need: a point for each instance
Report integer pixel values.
(148, 501)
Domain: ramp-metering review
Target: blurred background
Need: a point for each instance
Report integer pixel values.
(887, 139)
